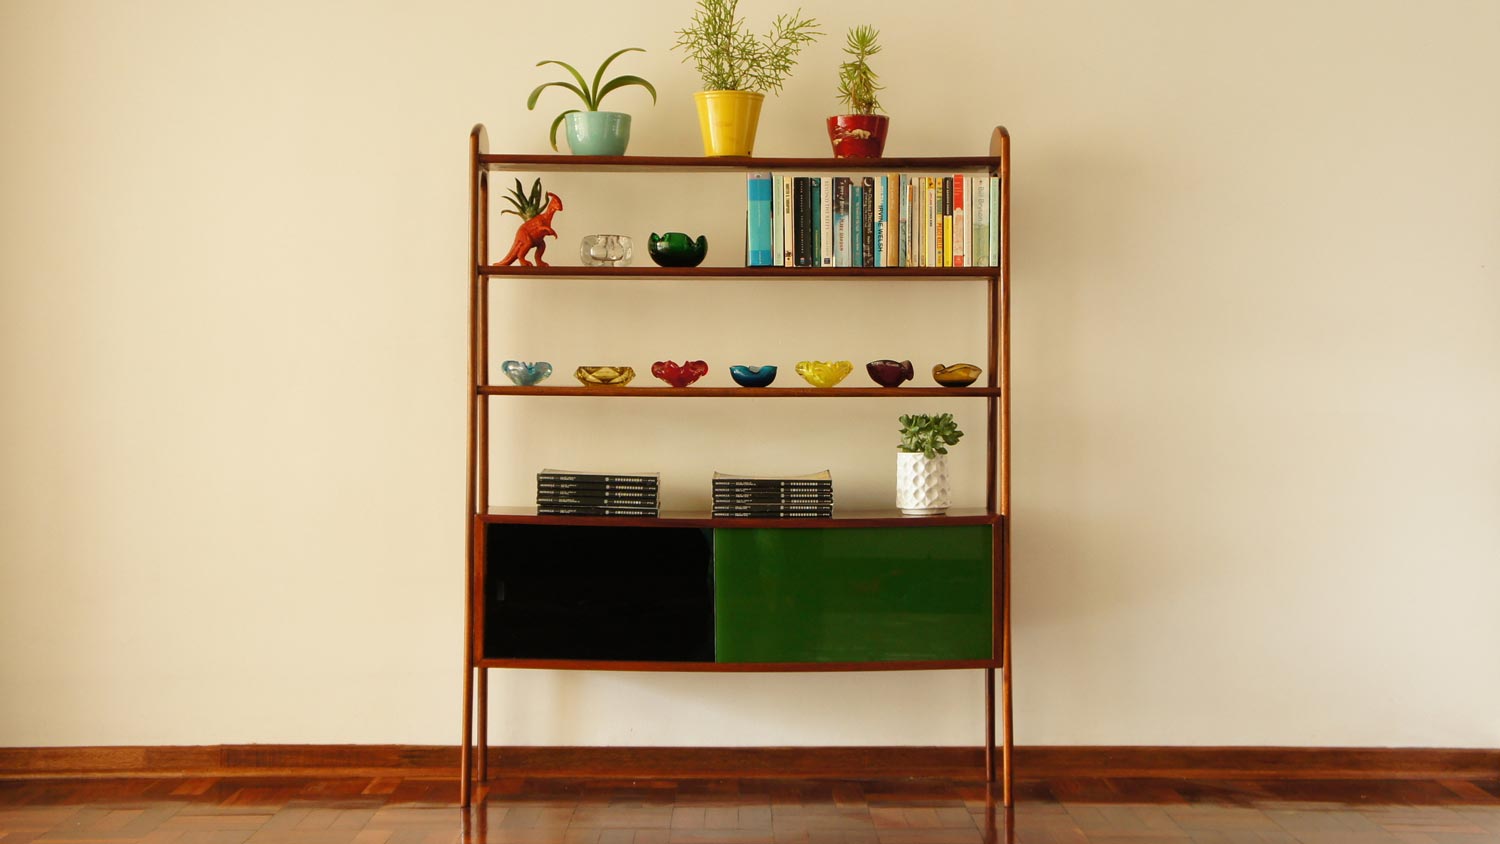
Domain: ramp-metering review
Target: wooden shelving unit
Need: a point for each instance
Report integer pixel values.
(481, 517)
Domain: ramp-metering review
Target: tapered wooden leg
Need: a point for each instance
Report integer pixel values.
(484, 724)
(989, 725)
(1005, 757)
(465, 776)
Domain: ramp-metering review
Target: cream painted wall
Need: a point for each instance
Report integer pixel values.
(1257, 379)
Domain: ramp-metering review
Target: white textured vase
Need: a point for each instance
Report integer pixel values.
(922, 487)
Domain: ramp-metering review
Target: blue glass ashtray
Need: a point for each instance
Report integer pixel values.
(526, 374)
(752, 376)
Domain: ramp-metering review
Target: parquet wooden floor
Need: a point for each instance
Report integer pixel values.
(557, 811)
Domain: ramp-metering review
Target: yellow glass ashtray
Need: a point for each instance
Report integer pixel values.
(604, 376)
(957, 375)
(823, 373)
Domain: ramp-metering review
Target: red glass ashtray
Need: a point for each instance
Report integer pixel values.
(679, 376)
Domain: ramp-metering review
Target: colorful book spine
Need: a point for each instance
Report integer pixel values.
(841, 221)
(947, 247)
(867, 223)
(758, 220)
(777, 206)
(801, 211)
(856, 223)
(903, 223)
(788, 212)
(881, 221)
(825, 219)
(892, 206)
(995, 211)
(981, 221)
(929, 222)
(814, 221)
(960, 222)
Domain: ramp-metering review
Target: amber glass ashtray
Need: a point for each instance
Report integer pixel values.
(604, 376)
(957, 375)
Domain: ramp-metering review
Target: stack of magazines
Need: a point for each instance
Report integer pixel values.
(773, 497)
(565, 493)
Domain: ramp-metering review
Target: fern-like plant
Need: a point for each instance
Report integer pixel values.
(525, 205)
(858, 84)
(730, 58)
(592, 95)
(928, 435)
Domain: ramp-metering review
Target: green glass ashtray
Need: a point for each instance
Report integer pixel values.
(604, 376)
(675, 249)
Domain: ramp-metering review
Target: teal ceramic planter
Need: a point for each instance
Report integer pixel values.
(597, 132)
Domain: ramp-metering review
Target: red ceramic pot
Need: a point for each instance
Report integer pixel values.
(858, 135)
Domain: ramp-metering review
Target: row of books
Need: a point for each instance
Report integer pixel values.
(882, 220)
(568, 493)
(773, 497)
(565, 493)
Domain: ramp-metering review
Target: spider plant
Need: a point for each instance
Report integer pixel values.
(526, 206)
(591, 95)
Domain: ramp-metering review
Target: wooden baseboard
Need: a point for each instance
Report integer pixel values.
(960, 763)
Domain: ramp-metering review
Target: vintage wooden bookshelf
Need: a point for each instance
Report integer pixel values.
(952, 572)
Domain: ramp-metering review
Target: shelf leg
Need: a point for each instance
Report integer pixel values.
(1006, 748)
(989, 725)
(465, 774)
(484, 724)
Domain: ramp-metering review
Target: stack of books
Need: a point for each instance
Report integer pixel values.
(564, 493)
(880, 220)
(773, 497)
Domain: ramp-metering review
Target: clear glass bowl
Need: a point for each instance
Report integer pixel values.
(606, 250)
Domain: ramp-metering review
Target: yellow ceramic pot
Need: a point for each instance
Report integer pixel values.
(728, 120)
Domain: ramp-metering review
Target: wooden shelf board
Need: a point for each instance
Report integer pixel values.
(749, 392)
(704, 519)
(781, 273)
(735, 667)
(700, 164)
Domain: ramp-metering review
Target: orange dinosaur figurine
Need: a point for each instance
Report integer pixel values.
(531, 235)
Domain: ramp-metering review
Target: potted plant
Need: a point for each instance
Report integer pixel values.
(738, 68)
(536, 223)
(922, 486)
(861, 132)
(591, 131)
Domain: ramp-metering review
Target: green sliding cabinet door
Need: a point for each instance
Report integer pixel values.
(852, 594)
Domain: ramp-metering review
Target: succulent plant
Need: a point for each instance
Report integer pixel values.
(857, 82)
(928, 435)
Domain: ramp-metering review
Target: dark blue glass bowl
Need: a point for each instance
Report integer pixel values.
(752, 376)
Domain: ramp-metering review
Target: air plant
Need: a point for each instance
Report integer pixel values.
(526, 206)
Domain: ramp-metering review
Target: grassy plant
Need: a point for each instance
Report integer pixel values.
(730, 58)
(929, 435)
(858, 84)
(592, 95)
(526, 205)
